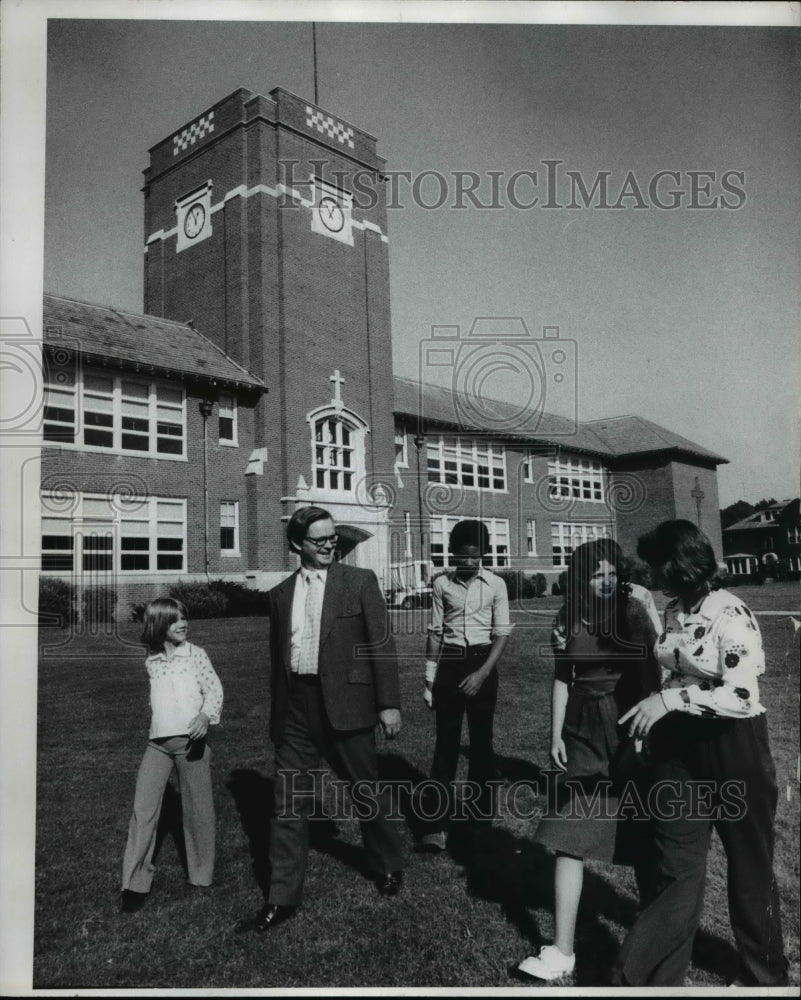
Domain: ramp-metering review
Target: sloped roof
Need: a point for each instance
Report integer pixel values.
(614, 437)
(437, 406)
(751, 524)
(141, 343)
(633, 435)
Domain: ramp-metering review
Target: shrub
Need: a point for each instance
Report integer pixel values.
(98, 604)
(518, 585)
(200, 600)
(55, 598)
(241, 599)
(540, 584)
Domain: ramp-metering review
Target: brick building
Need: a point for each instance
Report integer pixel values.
(178, 442)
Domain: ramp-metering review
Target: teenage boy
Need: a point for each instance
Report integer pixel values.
(469, 629)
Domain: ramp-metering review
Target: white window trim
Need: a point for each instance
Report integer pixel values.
(571, 534)
(358, 430)
(402, 439)
(498, 527)
(577, 471)
(79, 393)
(531, 523)
(232, 442)
(467, 449)
(229, 553)
(77, 521)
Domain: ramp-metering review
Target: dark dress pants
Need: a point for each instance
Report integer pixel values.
(451, 706)
(308, 738)
(717, 754)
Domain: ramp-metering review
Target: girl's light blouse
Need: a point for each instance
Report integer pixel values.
(180, 687)
(711, 658)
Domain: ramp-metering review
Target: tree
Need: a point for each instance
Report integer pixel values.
(735, 512)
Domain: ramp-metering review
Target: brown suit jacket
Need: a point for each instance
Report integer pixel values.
(357, 661)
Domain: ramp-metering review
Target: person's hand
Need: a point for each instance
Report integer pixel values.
(559, 754)
(644, 714)
(428, 694)
(471, 685)
(199, 726)
(390, 719)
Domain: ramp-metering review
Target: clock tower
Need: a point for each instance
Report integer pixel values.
(266, 228)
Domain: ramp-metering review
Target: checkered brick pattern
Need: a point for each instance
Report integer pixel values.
(193, 133)
(329, 126)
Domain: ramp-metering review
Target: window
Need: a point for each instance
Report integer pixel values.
(576, 479)
(229, 528)
(108, 535)
(497, 557)
(567, 536)
(401, 449)
(95, 410)
(794, 534)
(531, 537)
(338, 454)
(474, 465)
(226, 412)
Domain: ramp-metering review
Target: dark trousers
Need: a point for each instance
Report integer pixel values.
(717, 753)
(451, 706)
(308, 738)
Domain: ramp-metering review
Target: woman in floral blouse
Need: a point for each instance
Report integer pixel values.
(712, 766)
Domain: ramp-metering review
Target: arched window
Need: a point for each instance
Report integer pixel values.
(337, 451)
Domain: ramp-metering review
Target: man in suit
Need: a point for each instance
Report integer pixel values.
(334, 676)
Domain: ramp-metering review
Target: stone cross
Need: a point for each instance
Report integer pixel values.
(698, 495)
(338, 381)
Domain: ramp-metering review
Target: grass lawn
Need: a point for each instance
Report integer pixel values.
(463, 918)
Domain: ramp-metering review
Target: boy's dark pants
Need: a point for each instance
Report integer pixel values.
(450, 704)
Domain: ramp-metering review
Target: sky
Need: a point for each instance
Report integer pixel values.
(686, 316)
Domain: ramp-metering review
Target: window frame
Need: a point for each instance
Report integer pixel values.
(100, 412)
(578, 479)
(586, 530)
(108, 521)
(467, 456)
(440, 526)
(233, 440)
(355, 447)
(235, 550)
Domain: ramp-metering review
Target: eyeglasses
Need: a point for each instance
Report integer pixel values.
(319, 543)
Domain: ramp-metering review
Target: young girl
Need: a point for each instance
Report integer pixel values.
(185, 698)
(603, 649)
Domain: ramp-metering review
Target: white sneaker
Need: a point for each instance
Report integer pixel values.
(549, 964)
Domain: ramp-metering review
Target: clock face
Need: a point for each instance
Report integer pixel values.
(194, 220)
(331, 215)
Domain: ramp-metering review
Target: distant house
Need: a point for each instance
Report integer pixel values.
(766, 542)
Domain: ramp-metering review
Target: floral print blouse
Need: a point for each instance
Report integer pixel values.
(711, 658)
(180, 687)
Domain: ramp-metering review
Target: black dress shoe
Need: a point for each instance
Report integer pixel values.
(131, 901)
(389, 884)
(271, 914)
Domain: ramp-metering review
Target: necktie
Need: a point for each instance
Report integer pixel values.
(310, 637)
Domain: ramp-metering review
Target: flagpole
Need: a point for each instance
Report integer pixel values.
(314, 51)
